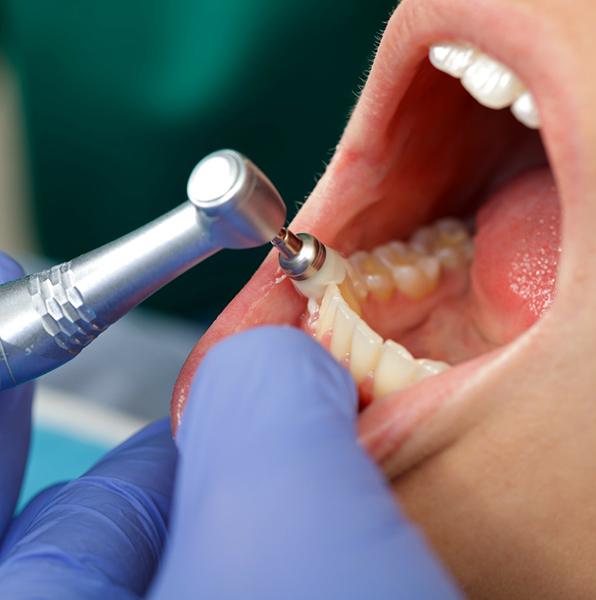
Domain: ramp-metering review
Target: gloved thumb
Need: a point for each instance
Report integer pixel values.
(275, 498)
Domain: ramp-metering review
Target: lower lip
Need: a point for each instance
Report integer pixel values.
(401, 430)
(261, 302)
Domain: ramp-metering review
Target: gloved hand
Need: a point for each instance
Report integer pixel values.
(98, 537)
(274, 497)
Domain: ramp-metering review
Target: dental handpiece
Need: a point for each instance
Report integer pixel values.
(47, 318)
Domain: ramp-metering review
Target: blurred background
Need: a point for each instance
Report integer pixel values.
(104, 109)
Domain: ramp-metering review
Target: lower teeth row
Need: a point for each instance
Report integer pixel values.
(411, 268)
(385, 366)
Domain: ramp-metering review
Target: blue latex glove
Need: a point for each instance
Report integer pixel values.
(274, 498)
(15, 426)
(98, 537)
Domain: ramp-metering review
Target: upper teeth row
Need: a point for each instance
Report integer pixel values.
(490, 82)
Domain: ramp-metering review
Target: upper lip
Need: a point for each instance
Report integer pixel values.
(525, 41)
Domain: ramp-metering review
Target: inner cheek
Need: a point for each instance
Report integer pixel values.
(433, 160)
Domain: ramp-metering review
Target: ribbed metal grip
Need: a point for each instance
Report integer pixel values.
(61, 307)
(49, 317)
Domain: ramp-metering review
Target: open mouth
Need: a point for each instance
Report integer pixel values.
(445, 194)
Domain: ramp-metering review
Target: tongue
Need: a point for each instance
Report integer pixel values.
(516, 252)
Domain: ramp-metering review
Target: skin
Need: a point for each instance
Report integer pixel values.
(494, 458)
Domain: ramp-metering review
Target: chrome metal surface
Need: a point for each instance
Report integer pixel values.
(47, 318)
(232, 190)
(287, 243)
(304, 263)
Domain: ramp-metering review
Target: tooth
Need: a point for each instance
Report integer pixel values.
(358, 281)
(331, 299)
(423, 240)
(343, 328)
(401, 253)
(386, 257)
(411, 281)
(377, 276)
(348, 292)
(356, 264)
(450, 257)
(394, 253)
(366, 349)
(431, 267)
(312, 306)
(453, 59)
(414, 275)
(525, 110)
(491, 83)
(467, 250)
(430, 367)
(395, 371)
(451, 232)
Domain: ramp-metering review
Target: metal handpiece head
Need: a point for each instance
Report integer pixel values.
(308, 263)
(243, 207)
(301, 256)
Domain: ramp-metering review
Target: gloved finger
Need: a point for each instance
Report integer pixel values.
(21, 522)
(99, 536)
(275, 498)
(15, 425)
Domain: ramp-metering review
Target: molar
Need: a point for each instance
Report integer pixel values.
(411, 281)
(423, 240)
(405, 274)
(431, 269)
(451, 232)
(375, 273)
(450, 257)
(394, 253)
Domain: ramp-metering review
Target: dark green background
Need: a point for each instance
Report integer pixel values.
(122, 97)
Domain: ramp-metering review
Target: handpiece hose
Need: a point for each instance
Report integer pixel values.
(47, 318)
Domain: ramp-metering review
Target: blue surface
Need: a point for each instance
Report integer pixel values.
(56, 456)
